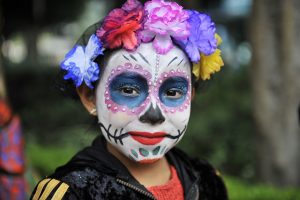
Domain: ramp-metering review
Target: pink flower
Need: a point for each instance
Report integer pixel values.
(164, 20)
(120, 27)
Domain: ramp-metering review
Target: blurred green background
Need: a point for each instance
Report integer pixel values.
(227, 125)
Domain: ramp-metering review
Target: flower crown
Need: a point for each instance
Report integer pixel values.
(161, 22)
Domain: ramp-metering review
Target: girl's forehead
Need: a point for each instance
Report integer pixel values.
(146, 57)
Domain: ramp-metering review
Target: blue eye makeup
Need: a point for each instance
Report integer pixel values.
(173, 91)
(129, 89)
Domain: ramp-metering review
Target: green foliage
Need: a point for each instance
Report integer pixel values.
(45, 158)
(45, 112)
(221, 126)
(238, 190)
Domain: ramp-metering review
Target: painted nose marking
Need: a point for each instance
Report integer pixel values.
(152, 116)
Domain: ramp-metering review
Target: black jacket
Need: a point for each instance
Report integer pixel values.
(96, 174)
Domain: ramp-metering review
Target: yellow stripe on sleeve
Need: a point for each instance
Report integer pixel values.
(40, 188)
(60, 192)
(49, 188)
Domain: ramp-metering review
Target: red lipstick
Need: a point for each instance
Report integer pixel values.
(147, 138)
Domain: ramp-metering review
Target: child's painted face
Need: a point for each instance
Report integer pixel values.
(143, 101)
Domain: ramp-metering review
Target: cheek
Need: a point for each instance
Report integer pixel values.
(179, 119)
(107, 116)
(120, 119)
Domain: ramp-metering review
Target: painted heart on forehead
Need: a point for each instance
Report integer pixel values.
(143, 100)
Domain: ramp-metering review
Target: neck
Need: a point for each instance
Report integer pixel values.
(148, 174)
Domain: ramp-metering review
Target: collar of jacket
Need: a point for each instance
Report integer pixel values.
(97, 157)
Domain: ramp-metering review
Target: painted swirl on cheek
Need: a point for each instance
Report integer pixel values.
(128, 89)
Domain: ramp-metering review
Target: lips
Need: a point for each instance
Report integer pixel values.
(147, 138)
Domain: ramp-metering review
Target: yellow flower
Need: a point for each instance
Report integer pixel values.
(196, 70)
(208, 65)
(219, 39)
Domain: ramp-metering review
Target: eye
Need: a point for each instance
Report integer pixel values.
(129, 91)
(174, 93)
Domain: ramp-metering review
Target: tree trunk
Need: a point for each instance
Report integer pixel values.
(275, 31)
(2, 81)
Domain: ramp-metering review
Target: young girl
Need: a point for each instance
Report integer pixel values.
(136, 72)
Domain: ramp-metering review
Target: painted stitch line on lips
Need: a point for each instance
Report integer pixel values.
(147, 138)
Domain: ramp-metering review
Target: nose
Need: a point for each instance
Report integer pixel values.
(152, 116)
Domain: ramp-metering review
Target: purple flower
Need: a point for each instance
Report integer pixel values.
(79, 63)
(164, 20)
(202, 36)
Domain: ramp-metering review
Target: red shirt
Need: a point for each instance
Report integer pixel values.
(171, 190)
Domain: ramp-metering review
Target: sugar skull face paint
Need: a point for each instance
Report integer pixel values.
(143, 101)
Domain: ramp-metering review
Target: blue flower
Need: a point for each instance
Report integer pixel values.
(202, 36)
(80, 65)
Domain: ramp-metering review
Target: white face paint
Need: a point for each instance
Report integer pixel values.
(143, 101)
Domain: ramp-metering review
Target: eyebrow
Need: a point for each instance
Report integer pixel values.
(125, 57)
(131, 56)
(172, 61)
(143, 57)
(180, 62)
(185, 63)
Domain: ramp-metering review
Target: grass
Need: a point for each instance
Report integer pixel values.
(240, 190)
(45, 159)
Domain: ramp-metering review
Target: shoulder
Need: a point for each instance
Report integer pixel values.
(50, 188)
(74, 184)
(210, 181)
(81, 183)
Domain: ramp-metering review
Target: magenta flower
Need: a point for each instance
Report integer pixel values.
(164, 20)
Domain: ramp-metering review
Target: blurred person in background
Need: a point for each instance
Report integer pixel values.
(12, 161)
